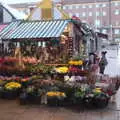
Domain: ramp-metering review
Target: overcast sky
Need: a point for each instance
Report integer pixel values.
(20, 1)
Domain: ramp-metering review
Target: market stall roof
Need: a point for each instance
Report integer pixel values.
(37, 29)
(2, 26)
(9, 28)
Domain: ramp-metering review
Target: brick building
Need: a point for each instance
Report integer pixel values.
(102, 15)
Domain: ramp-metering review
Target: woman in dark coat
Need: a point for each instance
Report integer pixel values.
(103, 62)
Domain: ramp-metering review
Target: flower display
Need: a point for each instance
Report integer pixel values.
(97, 90)
(12, 85)
(62, 69)
(56, 94)
(25, 79)
(76, 62)
(74, 69)
(29, 60)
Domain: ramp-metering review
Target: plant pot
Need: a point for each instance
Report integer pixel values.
(101, 102)
(29, 99)
(54, 101)
(10, 95)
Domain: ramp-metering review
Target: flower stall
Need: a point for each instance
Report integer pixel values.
(43, 67)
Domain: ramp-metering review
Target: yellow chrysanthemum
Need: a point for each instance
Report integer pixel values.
(53, 94)
(62, 69)
(13, 85)
(80, 62)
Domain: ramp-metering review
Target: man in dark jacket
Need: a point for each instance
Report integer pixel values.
(103, 62)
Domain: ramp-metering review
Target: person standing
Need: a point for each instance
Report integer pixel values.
(103, 62)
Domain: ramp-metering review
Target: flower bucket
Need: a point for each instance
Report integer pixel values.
(10, 95)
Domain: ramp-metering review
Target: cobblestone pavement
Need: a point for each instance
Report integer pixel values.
(11, 110)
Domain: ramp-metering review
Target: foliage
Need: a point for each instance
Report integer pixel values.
(40, 68)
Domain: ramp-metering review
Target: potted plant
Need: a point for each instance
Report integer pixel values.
(31, 95)
(100, 98)
(11, 90)
(55, 98)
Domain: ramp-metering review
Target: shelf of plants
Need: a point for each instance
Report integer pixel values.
(56, 86)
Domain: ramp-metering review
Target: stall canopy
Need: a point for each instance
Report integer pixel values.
(35, 29)
(2, 27)
(8, 28)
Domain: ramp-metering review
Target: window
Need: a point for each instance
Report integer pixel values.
(90, 6)
(70, 14)
(77, 6)
(77, 14)
(90, 13)
(116, 3)
(104, 13)
(116, 12)
(70, 6)
(117, 39)
(104, 31)
(97, 6)
(116, 31)
(83, 6)
(104, 5)
(64, 7)
(97, 22)
(83, 14)
(97, 13)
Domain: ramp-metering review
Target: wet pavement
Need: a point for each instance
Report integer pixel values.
(11, 110)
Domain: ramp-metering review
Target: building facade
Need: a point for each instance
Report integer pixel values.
(102, 15)
(8, 14)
